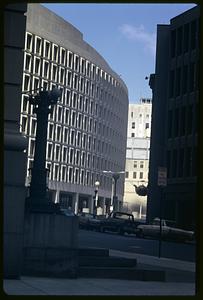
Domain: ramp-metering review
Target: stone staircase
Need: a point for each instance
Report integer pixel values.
(97, 263)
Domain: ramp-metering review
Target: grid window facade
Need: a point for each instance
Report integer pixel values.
(74, 152)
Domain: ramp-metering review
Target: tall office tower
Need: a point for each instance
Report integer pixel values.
(85, 135)
(137, 156)
(174, 137)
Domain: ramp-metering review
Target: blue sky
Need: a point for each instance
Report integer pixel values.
(124, 34)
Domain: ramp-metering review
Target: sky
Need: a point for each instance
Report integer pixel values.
(124, 34)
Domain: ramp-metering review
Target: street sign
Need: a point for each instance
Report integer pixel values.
(162, 176)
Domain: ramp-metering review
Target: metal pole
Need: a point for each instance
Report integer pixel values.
(160, 227)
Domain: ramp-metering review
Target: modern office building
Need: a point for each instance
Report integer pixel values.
(88, 127)
(137, 156)
(174, 137)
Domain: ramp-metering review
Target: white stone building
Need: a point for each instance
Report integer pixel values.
(83, 133)
(137, 156)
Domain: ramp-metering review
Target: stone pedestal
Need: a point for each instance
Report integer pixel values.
(50, 245)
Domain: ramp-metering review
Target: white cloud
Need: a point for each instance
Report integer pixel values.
(139, 34)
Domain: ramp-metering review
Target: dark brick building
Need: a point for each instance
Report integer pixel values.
(174, 136)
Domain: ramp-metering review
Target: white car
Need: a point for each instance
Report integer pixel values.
(168, 231)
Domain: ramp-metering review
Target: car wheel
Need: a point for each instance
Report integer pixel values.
(102, 229)
(140, 234)
(120, 231)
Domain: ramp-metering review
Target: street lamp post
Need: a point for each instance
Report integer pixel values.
(115, 176)
(97, 184)
(43, 104)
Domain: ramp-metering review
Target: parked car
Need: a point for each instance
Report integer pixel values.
(67, 212)
(169, 231)
(119, 222)
(89, 221)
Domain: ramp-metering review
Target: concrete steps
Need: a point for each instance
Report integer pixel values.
(96, 263)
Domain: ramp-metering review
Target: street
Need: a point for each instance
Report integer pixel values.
(131, 243)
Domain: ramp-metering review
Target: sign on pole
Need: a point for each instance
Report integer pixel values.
(162, 176)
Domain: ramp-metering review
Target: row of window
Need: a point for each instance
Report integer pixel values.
(74, 175)
(182, 120)
(184, 38)
(74, 100)
(62, 56)
(135, 175)
(182, 162)
(146, 125)
(184, 80)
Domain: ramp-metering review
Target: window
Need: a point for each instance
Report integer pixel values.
(76, 63)
(126, 174)
(50, 131)
(37, 65)
(70, 59)
(173, 43)
(49, 151)
(58, 133)
(64, 154)
(182, 122)
(65, 135)
(181, 162)
(46, 69)
(135, 164)
(179, 40)
(188, 161)
(174, 163)
(132, 134)
(67, 97)
(71, 156)
(170, 116)
(189, 118)
(62, 56)
(69, 78)
(57, 152)
(63, 173)
(133, 125)
(176, 123)
(185, 79)
(26, 82)
(141, 164)
(141, 175)
(54, 72)
(193, 34)
(186, 38)
(46, 49)
(70, 174)
(32, 147)
(178, 80)
(82, 66)
(61, 75)
(55, 52)
(192, 77)
(171, 84)
(25, 103)
(28, 62)
(146, 125)
(38, 45)
(134, 175)
(29, 42)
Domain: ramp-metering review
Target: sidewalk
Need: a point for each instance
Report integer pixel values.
(180, 280)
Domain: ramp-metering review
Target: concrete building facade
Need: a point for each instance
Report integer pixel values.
(175, 87)
(137, 156)
(14, 142)
(84, 136)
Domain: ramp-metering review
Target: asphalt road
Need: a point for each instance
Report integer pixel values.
(130, 243)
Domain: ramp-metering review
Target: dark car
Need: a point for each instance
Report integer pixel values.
(89, 221)
(119, 222)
